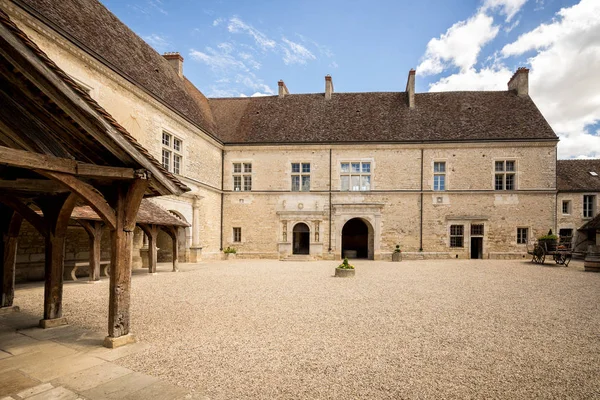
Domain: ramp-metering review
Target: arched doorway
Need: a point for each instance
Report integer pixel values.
(357, 239)
(301, 234)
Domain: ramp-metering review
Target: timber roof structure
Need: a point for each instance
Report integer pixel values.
(380, 117)
(578, 175)
(91, 26)
(149, 213)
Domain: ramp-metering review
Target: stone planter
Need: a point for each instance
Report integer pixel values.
(396, 256)
(229, 256)
(344, 273)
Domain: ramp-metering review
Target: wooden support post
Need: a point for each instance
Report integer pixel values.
(11, 224)
(151, 232)
(175, 249)
(126, 205)
(57, 211)
(94, 231)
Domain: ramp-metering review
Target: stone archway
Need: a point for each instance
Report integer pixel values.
(358, 239)
(301, 239)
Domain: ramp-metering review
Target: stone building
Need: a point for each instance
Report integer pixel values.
(443, 175)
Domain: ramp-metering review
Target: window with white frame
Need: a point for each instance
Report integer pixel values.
(522, 235)
(237, 235)
(355, 176)
(439, 175)
(505, 175)
(242, 177)
(457, 234)
(589, 205)
(566, 207)
(300, 177)
(172, 153)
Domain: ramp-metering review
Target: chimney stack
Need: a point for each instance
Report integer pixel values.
(520, 82)
(328, 87)
(410, 88)
(283, 90)
(176, 62)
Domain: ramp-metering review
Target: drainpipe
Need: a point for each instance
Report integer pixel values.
(421, 207)
(222, 192)
(330, 206)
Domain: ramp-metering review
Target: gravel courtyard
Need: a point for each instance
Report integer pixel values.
(257, 329)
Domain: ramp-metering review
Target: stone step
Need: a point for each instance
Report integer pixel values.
(298, 257)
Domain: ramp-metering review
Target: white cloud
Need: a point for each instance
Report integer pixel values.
(492, 78)
(507, 7)
(459, 46)
(218, 21)
(564, 74)
(236, 25)
(295, 53)
(217, 60)
(252, 82)
(333, 64)
(160, 43)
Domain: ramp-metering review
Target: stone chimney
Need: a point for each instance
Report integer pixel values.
(176, 62)
(410, 88)
(328, 87)
(283, 90)
(520, 82)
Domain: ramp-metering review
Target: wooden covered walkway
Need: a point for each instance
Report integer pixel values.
(59, 150)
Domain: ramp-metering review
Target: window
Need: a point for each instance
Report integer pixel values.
(439, 175)
(300, 177)
(242, 177)
(355, 176)
(477, 230)
(565, 233)
(457, 235)
(237, 235)
(589, 202)
(522, 235)
(172, 159)
(566, 207)
(504, 178)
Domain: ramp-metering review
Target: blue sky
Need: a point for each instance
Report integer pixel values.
(242, 48)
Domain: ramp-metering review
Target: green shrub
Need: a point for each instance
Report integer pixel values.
(229, 250)
(346, 265)
(397, 249)
(548, 237)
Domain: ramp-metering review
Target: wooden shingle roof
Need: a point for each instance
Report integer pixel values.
(380, 117)
(578, 175)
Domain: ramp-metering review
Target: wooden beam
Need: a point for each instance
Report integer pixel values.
(151, 232)
(94, 231)
(29, 160)
(33, 185)
(89, 117)
(87, 193)
(26, 212)
(135, 194)
(9, 259)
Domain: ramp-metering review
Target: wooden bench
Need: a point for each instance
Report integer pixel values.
(72, 267)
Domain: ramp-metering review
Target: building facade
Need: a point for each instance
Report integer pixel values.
(319, 176)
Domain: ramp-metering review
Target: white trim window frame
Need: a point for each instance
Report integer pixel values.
(505, 174)
(237, 234)
(457, 236)
(300, 177)
(439, 176)
(355, 176)
(589, 205)
(566, 207)
(172, 153)
(522, 234)
(242, 176)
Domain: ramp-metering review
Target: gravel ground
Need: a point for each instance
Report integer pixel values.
(256, 329)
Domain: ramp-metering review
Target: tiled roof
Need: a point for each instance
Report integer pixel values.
(574, 175)
(380, 117)
(5, 20)
(149, 213)
(95, 29)
(593, 224)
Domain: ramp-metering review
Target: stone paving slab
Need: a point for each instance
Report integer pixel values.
(59, 393)
(52, 369)
(91, 377)
(120, 387)
(15, 381)
(35, 390)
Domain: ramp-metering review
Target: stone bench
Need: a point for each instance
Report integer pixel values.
(72, 267)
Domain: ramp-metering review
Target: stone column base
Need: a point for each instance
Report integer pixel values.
(9, 309)
(114, 342)
(52, 323)
(195, 254)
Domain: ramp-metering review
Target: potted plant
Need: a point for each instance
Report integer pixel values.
(549, 241)
(229, 253)
(344, 270)
(397, 254)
